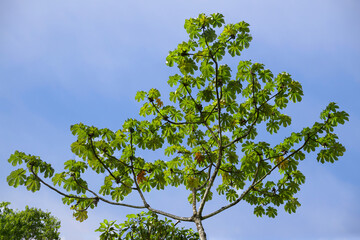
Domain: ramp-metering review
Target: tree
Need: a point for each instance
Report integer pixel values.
(31, 223)
(207, 132)
(145, 226)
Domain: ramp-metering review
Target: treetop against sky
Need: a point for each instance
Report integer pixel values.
(208, 130)
(63, 72)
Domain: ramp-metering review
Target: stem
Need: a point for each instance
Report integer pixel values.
(200, 228)
(219, 142)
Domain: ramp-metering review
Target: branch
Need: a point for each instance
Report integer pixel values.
(210, 183)
(186, 219)
(254, 183)
(257, 168)
(218, 97)
(194, 201)
(209, 172)
(134, 175)
(77, 197)
(207, 179)
(97, 157)
(204, 122)
(126, 165)
(166, 118)
(142, 196)
(253, 123)
(220, 150)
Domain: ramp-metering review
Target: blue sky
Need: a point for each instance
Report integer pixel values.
(64, 62)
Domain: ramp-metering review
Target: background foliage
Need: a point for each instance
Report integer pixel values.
(31, 223)
(144, 226)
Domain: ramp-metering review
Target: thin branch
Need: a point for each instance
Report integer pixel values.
(207, 179)
(84, 187)
(220, 150)
(134, 175)
(103, 164)
(54, 189)
(142, 196)
(257, 168)
(125, 164)
(166, 118)
(204, 122)
(210, 183)
(209, 172)
(77, 197)
(254, 183)
(253, 123)
(185, 219)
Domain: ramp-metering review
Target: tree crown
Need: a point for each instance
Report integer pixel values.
(31, 223)
(207, 130)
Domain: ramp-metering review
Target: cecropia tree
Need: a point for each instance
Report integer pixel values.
(206, 134)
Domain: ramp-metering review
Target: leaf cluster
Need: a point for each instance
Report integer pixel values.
(144, 226)
(206, 134)
(31, 223)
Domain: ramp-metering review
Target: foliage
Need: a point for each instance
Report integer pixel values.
(31, 223)
(146, 226)
(208, 131)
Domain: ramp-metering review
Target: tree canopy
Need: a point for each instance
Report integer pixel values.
(209, 136)
(31, 223)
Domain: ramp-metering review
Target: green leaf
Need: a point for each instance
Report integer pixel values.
(292, 205)
(58, 179)
(154, 93)
(259, 211)
(17, 177)
(234, 49)
(140, 96)
(271, 212)
(231, 195)
(32, 184)
(16, 158)
(80, 215)
(217, 19)
(117, 194)
(173, 80)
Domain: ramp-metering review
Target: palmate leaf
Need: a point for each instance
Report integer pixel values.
(32, 184)
(292, 205)
(271, 212)
(17, 177)
(16, 158)
(231, 195)
(140, 96)
(234, 49)
(217, 19)
(58, 179)
(259, 211)
(117, 194)
(80, 215)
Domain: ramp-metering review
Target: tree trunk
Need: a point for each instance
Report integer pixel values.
(200, 228)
